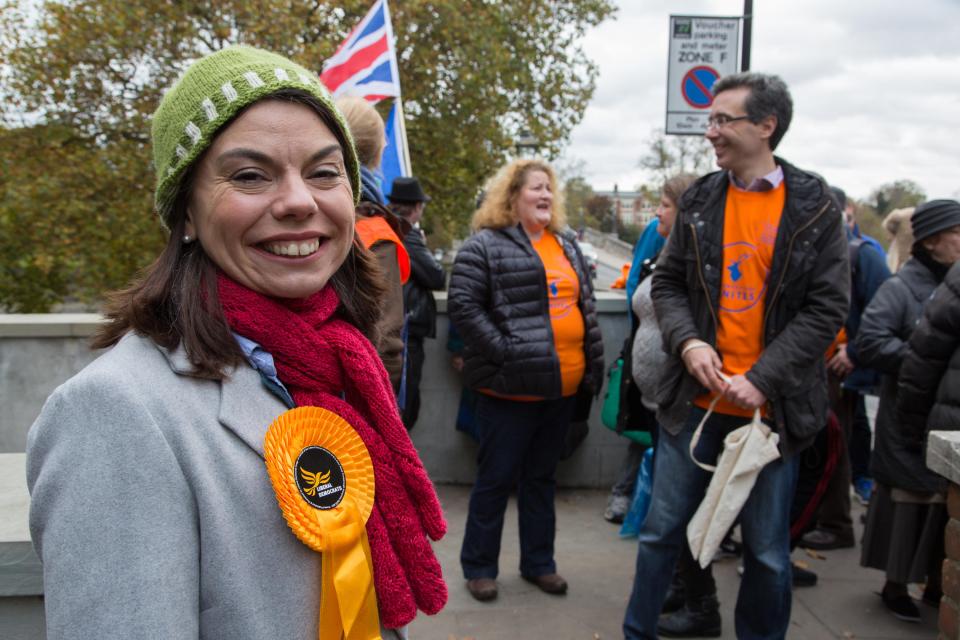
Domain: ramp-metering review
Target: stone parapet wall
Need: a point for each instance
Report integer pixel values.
(943, 456)
(40, 352)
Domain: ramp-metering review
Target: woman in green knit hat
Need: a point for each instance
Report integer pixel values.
(239, 404)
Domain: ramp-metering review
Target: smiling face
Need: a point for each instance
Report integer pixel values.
(740, 145)
(534, 203)
(271, 202)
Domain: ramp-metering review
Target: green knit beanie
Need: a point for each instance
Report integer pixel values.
(209, 94)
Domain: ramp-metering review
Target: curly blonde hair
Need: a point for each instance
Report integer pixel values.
(500, 195)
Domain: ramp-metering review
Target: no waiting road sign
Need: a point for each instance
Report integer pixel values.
(697, 86)
(702, 50)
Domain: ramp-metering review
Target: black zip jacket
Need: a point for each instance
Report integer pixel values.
(887, 324)
(426, 276)
(498, 302)
(928, 397)
(806, 302)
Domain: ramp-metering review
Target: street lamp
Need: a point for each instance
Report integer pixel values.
(526, 144)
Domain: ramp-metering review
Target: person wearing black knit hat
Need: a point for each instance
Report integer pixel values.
(905, 521)
(936, 226)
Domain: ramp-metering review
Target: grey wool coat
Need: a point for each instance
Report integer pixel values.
(152, 511)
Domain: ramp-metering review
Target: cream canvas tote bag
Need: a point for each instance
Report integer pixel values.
(746, 450)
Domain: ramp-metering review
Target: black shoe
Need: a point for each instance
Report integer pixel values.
(803, 577)
(675, 596)
(901, 606)
(699, 618)
(932, 596)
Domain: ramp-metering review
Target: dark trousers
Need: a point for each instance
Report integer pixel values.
(520, 445)
(860, 440)
(415, 358)
(627, 483)
(697, 583)
(834, 512)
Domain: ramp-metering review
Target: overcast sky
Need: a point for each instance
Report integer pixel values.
(875, 85)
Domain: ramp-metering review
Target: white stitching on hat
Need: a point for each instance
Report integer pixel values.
(281, 74)
(304, 78)
(194, 132)
(253, 79)
(181, 152)
(229, 92)
(169, 171)
(209, 109)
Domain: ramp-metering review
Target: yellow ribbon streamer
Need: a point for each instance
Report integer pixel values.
(348, 601)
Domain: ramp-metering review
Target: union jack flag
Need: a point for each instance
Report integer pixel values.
(365, 65)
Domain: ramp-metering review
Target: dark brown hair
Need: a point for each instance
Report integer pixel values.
(769, 96)
(175, 299)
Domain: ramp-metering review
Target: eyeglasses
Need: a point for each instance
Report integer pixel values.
(721, 120)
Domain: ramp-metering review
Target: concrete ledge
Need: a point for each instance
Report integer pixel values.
(21, 573)
(82, 325)
(943, 454)
(49, 325)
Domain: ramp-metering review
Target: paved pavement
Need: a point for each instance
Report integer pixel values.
(599, 567)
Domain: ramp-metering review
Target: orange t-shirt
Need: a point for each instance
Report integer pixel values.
(563, 292)
(751, 219)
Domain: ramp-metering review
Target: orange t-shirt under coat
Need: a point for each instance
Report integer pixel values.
(563, 293)
(751, 219)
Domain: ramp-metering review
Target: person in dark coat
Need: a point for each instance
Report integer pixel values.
(928, 396)
(521, 297)
(904, 529)
(407, 201)
(849, 380)
(754, 280)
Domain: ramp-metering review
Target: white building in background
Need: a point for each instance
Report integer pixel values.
(630, 206)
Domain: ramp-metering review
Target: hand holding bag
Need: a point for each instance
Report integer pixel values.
(746, 451)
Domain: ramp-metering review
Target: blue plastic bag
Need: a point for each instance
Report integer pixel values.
(641, 498)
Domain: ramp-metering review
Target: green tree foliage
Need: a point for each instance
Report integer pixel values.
(599, 213)
(74, 217)
(83, 76)
(871, 224)
(669, 155)
(577, 192)
(896, 195)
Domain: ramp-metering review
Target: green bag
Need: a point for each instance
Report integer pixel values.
(611, 405)
(611, 401)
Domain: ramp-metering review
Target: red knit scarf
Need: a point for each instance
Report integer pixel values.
(326, 362)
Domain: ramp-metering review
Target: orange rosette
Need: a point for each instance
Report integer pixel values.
(323, 478)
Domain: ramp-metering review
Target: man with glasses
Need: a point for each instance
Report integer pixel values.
(750, 290)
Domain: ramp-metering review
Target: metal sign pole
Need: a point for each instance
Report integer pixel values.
(747, 34)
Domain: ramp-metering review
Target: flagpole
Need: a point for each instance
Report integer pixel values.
(403, 137)
(401, 121)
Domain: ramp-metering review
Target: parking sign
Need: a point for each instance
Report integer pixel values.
(702, 50)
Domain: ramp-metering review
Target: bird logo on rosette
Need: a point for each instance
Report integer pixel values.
(313, 480)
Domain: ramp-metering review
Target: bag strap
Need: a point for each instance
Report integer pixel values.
(696, 437)
(696, 434)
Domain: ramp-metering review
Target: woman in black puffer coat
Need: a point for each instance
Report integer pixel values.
(928, 398)
(521, 298)
(904, 529)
